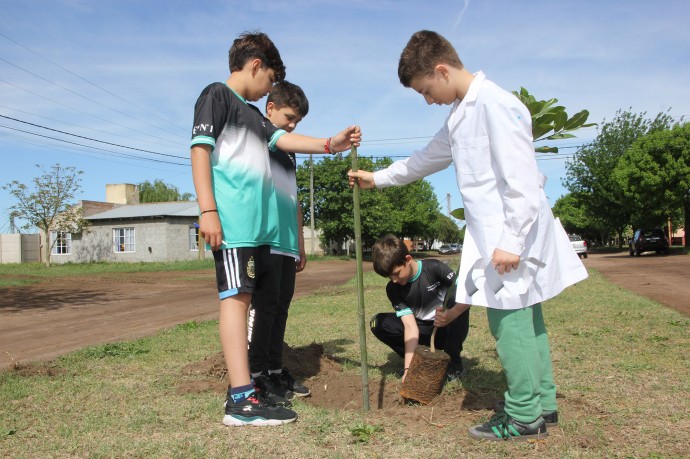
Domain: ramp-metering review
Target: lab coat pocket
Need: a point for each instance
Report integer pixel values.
(472, 155)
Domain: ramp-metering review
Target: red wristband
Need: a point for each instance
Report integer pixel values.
(327, 148)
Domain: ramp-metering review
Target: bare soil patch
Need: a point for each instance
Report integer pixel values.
(333, 388)
(58, 315)
(663, 278)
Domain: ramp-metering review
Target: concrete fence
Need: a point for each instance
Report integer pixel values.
(20, 248)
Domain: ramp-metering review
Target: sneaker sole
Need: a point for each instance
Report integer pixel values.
(297, 394)
(257, 422)
(518, 438)
(499, 407)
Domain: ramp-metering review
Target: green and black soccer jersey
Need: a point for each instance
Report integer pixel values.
(240, 138)
(422, 294)
(285, 182)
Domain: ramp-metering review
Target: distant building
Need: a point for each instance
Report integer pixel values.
(122, 230)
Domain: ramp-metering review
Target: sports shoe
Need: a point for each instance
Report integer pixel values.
(503, 427)
(285, 380)
(255, 412)
(550, 417)
(268, 392)
(455, 372)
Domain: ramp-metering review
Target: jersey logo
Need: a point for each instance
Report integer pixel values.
(250, 268)
(433, 286)
(203, 128)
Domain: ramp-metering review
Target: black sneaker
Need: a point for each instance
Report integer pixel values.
(269, 393)
(550, 417)
(455, 372)
(502, 427)
(255, 412)
(285, 379)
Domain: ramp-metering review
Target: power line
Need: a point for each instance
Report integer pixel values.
(86, 113)
(81, 95)
(75, 150)
(89, 128)
(93, 140)
(124, 155)
(86, 80)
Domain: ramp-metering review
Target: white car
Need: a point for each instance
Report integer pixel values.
(579, 245)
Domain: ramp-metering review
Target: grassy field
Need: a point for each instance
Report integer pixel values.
(621, 362)
(31, 273)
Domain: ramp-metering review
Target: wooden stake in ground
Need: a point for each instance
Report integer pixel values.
(360, 287)
(427, 372)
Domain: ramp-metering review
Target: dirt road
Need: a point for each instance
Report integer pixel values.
(45, 320)
(42, 321)
(664, 278)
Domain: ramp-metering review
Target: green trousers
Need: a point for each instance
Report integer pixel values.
(523, 349)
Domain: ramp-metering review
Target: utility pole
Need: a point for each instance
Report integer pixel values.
(448, 203)
(13, 228)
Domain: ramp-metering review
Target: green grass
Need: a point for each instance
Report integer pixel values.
(72, 269)
(621, 363)
(18, 274)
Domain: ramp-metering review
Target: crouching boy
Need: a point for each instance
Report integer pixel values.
(416, 290)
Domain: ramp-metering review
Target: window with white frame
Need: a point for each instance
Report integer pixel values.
(62, 242)
(193, 239)
(123, 240)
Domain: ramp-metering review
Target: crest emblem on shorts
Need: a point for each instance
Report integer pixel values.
(250, 268)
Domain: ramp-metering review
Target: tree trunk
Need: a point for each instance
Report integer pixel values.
(46, 248)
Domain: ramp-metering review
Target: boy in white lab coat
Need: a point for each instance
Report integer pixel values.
(515, 254)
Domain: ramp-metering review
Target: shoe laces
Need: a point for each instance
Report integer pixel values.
(261, 393)
(499, 419)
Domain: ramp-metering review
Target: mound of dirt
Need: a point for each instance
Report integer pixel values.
(333, 388)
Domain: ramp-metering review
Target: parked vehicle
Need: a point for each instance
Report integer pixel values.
(647, 240)
(444, 249)
(455, 248)
(579, 245)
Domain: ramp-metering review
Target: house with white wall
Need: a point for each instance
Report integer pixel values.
(123, 230)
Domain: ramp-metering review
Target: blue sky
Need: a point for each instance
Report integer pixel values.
(129, 72)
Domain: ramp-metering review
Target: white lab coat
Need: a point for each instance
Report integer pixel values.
(488, 138)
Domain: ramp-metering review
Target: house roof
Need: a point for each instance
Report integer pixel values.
(157, 209)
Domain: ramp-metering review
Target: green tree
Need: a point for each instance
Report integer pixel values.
(411, 210)
(571, 210)
(419, 205)
(589, 174)
(550, 121)
(159, 191)
(333, 204)
(446, 229)
(654, 174)
(47, 203)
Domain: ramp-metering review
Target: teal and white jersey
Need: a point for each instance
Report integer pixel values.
(240, 138)
(283, 170)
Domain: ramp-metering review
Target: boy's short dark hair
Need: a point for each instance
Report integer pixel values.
(388, 253)
(424, 51)
(256, 45)
(286, 94)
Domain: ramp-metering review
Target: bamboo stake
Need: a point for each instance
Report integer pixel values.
(360, 287)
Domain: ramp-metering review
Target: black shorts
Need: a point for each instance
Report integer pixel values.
(238, 269)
